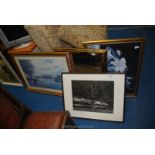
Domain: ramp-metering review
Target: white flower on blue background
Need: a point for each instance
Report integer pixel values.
(116, 63)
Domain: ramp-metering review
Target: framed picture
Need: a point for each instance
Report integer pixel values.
(94, 96)
(7, 74)
(123, 56)
(41, 72)
(87, 60)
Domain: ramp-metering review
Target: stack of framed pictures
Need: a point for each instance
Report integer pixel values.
(94, 80)
(89, 92)
(101, 96)
(41, 71)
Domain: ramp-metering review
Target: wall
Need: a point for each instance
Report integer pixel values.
(139, 112)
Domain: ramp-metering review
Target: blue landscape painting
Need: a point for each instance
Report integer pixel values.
(44, 73)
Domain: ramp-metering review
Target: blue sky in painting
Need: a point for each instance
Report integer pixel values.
(46, 73)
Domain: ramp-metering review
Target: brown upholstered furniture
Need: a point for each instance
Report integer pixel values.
(14, 115)
(45, 120)
(45, 36)
(48, 37)
(77, 34)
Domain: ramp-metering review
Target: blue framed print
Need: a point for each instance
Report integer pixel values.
(41, 72)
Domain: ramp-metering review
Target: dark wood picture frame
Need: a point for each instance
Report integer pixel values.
(127, 54)
(41, 71)
(86, 60)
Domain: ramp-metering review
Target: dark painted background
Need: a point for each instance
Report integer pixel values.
(139, 112)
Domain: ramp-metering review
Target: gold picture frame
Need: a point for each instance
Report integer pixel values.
(41, 71)
(123, 56)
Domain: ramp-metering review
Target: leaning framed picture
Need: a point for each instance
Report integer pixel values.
(87, 60)
(41, 72)
(94, 96)
(123, 56)
(7, 74)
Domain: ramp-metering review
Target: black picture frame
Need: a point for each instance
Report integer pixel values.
(94, 96)
(123, 56)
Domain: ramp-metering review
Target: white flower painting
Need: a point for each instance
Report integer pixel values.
(123, 56)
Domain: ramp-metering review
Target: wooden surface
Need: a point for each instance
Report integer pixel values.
(29, 48)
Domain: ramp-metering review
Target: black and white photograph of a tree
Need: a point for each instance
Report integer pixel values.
(93, 96)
